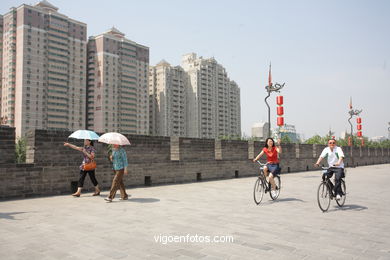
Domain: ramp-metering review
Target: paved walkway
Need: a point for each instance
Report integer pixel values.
(293, 227)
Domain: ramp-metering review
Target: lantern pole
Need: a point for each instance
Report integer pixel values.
(271, 88)
(352, 113)
(269, 112)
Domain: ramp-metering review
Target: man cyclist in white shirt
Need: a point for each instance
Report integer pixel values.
(335, 158)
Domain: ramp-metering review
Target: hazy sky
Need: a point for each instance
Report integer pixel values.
(325, 51)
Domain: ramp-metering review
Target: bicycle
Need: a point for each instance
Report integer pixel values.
(325, 192)
(263, 186)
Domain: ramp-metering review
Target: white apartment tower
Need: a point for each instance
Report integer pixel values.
(43, 69)
(213, 99)
(118, 71)
(168, 93)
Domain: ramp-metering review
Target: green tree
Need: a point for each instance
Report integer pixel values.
(380, 144)
(317, 139)
(342, 142)
(385, 143)
(109, 151)
(20, 150)
(286, 139)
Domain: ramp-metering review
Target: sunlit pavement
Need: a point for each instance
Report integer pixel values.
(177, 221)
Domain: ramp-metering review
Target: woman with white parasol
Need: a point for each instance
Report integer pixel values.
(88, 165)
(119, 163)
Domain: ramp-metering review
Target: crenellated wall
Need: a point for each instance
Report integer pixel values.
(7, 144)
(52, 168)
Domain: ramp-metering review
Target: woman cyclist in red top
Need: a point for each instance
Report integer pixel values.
(272, 168)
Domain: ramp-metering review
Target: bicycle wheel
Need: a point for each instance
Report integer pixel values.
(341, 201)
(258, 191)
(323, 196)
(277, 190)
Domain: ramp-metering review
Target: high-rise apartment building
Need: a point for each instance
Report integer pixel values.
(44, 70)
(213, 99)
(196, 99)
(118, 71)
(233, 111)
(168, 86)
(2, 120)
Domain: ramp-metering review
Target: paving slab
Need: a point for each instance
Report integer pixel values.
(182, 221)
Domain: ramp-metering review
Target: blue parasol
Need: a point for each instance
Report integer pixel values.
(84, 134)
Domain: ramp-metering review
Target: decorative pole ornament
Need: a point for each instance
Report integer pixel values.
(280, 110)
(359, 132)
(359, 126)
(352, 113)
(273, 88)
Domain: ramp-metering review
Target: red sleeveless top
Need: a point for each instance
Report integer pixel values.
(272, 156)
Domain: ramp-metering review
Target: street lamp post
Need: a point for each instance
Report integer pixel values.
(352, 113)
(271, 88)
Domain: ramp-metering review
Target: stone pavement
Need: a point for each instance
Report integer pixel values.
(293, 227)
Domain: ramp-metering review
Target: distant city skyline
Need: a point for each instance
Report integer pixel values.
(325, 51)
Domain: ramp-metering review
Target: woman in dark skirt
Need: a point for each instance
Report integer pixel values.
(89, 154)
(272, 152)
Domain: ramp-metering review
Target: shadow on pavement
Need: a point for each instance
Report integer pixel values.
(10, 215)
(144, 200)
(311, 176)
(288, 199)
(349, 207)
(353, 207)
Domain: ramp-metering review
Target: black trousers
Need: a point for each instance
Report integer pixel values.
(338, 174)
(83, 174)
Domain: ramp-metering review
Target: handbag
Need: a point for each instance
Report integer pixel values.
(89, 166)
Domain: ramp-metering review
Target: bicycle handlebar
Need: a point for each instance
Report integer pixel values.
(261, 164)
(330, 166)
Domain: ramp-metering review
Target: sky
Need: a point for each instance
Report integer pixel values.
(324, 51)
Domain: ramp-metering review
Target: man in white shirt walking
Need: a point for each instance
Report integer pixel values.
(335, 158)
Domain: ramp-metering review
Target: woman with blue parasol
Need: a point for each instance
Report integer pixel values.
(88, 165)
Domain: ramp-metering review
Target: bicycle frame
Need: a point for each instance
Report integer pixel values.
(330, 181)
(265, 186)
(328, 184)
(262, 175)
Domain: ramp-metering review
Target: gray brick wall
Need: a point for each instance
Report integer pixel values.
(52, 167)
(234, 150)
(193, 149)
(7, 144)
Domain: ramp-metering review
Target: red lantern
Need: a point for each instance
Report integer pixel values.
(359, 127)
(279, 100)
(359, 120)
(349, 141)
(362, 141)
(359, 133)
(280, 121)
(280, 111)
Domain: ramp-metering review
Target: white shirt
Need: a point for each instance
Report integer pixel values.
(333, 157)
